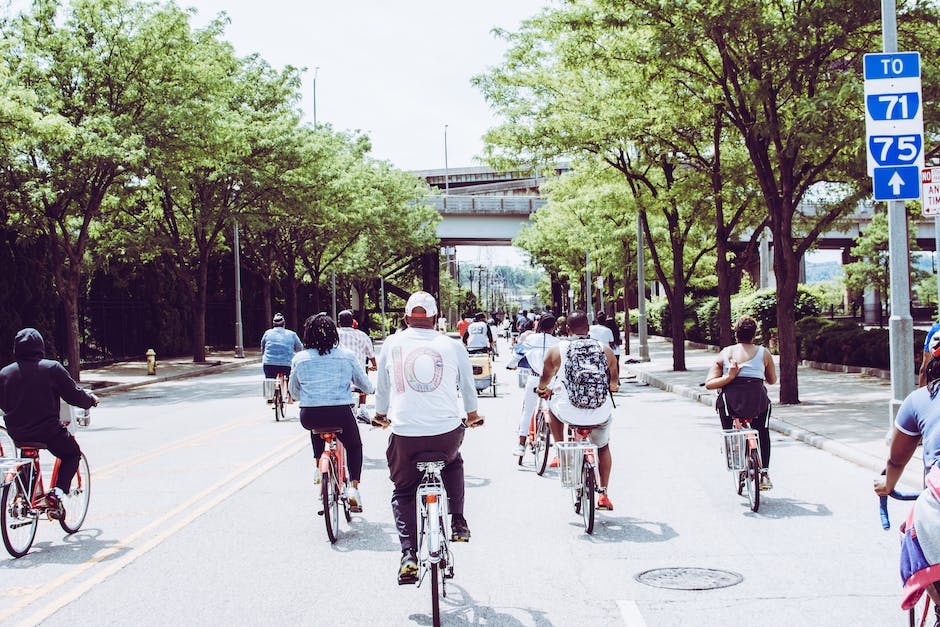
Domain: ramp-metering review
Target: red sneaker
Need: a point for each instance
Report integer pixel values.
(603, 502)
(554, 462)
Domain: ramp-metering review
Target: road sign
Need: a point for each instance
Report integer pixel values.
(930, 191)
(894, 124)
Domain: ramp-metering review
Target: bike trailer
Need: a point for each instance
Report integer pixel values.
(482, 372)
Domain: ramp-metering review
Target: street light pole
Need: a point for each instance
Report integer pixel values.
(446, 172)
(239, 338)
(316, 70)
(588, 288)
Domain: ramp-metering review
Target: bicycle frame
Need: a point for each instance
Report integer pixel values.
(432, 505)
(333, 453)
(752, 439)
(33, 484)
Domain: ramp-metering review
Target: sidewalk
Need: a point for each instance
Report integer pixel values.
(842, 413)
(127, 375)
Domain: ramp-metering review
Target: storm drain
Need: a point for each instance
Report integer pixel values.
(682, 578)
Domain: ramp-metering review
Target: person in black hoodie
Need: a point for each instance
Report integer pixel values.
(30, 392)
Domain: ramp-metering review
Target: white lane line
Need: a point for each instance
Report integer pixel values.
(630, 612)
(161, 529)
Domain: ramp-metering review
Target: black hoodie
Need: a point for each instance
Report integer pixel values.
(30, 389)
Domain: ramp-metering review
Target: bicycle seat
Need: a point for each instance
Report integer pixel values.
(430, 456)
(31, 445)
(322, 430)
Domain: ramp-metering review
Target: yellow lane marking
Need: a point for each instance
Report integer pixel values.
(156, 532)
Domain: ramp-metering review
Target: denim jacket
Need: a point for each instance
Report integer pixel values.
(324, 380)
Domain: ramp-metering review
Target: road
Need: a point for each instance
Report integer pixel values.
(204, 512)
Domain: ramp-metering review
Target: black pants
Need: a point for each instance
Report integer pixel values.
(61, 444)
(763, 433)
(335, 416)
(402, 455)
(271, 371)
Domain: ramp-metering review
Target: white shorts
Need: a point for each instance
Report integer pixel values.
(562, 409)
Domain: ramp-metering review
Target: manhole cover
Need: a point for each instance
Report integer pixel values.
(689, 578)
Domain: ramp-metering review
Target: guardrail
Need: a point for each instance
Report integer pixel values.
(518, 205)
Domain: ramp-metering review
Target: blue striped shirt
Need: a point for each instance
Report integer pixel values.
(324, 380)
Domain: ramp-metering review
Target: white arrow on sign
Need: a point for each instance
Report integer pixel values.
(896, 183)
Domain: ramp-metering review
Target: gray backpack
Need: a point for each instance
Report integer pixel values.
(586, 373)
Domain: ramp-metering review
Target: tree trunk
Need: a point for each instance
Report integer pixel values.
(787, 273)
(199, 313)
(725, 336)
(293, 320)
(266, 291)
(676, 297)
(69, 287)
(625, 350)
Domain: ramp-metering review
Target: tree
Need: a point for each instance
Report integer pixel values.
(99, 72)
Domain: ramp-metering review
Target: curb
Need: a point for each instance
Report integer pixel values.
(865, 460)
(221, 367)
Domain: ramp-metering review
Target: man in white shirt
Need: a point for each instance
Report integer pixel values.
(442, 324)
(479, 337)
(361, 345)
(601, 332)
(418, 377)
(561, 408)
(533, 350)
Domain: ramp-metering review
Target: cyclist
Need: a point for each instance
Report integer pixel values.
(30, 392)
(918, 420)
(360, 344)
(601, 332)
(579, 403)
(419, 372)
(320, 378)
(463, 323)
(278, 346)
(478, 337)
(740, 372)
(533, 349)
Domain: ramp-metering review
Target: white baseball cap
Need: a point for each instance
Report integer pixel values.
(423, 300)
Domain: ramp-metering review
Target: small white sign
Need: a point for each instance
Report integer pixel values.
(930, 191)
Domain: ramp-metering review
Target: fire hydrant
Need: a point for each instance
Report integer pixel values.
(151, 361)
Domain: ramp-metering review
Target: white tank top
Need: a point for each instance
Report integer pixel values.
(754, 367)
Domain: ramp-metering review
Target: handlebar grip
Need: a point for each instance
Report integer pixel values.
(883, 510)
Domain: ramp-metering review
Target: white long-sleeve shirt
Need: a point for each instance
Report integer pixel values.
(419, 371)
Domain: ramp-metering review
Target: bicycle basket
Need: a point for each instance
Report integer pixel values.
(570, 458)
(268, 388)
(734, 447)
(524, 374)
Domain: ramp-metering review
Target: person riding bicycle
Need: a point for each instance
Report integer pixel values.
(30, 392)
(918, 421)
(578, 375)
(360, 344)
(478, 337)
(533, 349)
(320, 378)
(739, 373)
(418, 378)
(278, 346)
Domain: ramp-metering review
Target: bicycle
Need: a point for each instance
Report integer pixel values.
(334, 480)
(280, 394)
(23, 501)
(741, 445)
(886, 524)
(577, 459)
(433, 553)
(538, 441)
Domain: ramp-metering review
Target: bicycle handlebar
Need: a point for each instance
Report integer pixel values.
(883, 505)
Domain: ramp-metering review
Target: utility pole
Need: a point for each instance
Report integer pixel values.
(239, 338)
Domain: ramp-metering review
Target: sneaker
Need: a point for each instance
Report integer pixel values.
(354, 500)
(55, 507)
(519, 451)
(603, 502)
(459, 531)
(554, 463)
(408, 571)
(765, 482)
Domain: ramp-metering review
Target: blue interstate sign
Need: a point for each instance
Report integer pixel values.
(895, 149)
(893, 106)
(898, 183)
(892, 65)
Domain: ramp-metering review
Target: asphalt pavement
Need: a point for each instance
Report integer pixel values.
(844, 413)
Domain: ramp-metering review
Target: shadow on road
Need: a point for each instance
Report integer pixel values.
(459, 608)
(361, 535)
(77, 548)
(788, 508)
(625, 529)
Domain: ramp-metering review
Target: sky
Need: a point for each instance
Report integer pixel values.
(399, 71)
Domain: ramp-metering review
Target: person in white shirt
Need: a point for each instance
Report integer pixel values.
(418, 377)
(479, 337)
(601, 332)
(561, 410)
(442, 324)
(360, 344)
(533, 349)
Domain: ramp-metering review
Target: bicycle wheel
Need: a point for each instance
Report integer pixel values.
(587, 497)
(329, 492)
(17, 523)
(278, 405)
(77, 499)
(542, 445)
(752, 480)
(7, 449)
(435, 595)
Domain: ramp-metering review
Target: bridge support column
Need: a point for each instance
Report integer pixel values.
(431, 273)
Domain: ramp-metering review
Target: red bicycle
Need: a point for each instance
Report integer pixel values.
(538, 441)
(23, 501)
(334, 480)
(742, 457)
(577, 459)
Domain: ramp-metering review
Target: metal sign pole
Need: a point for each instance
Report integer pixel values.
(239, 340)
